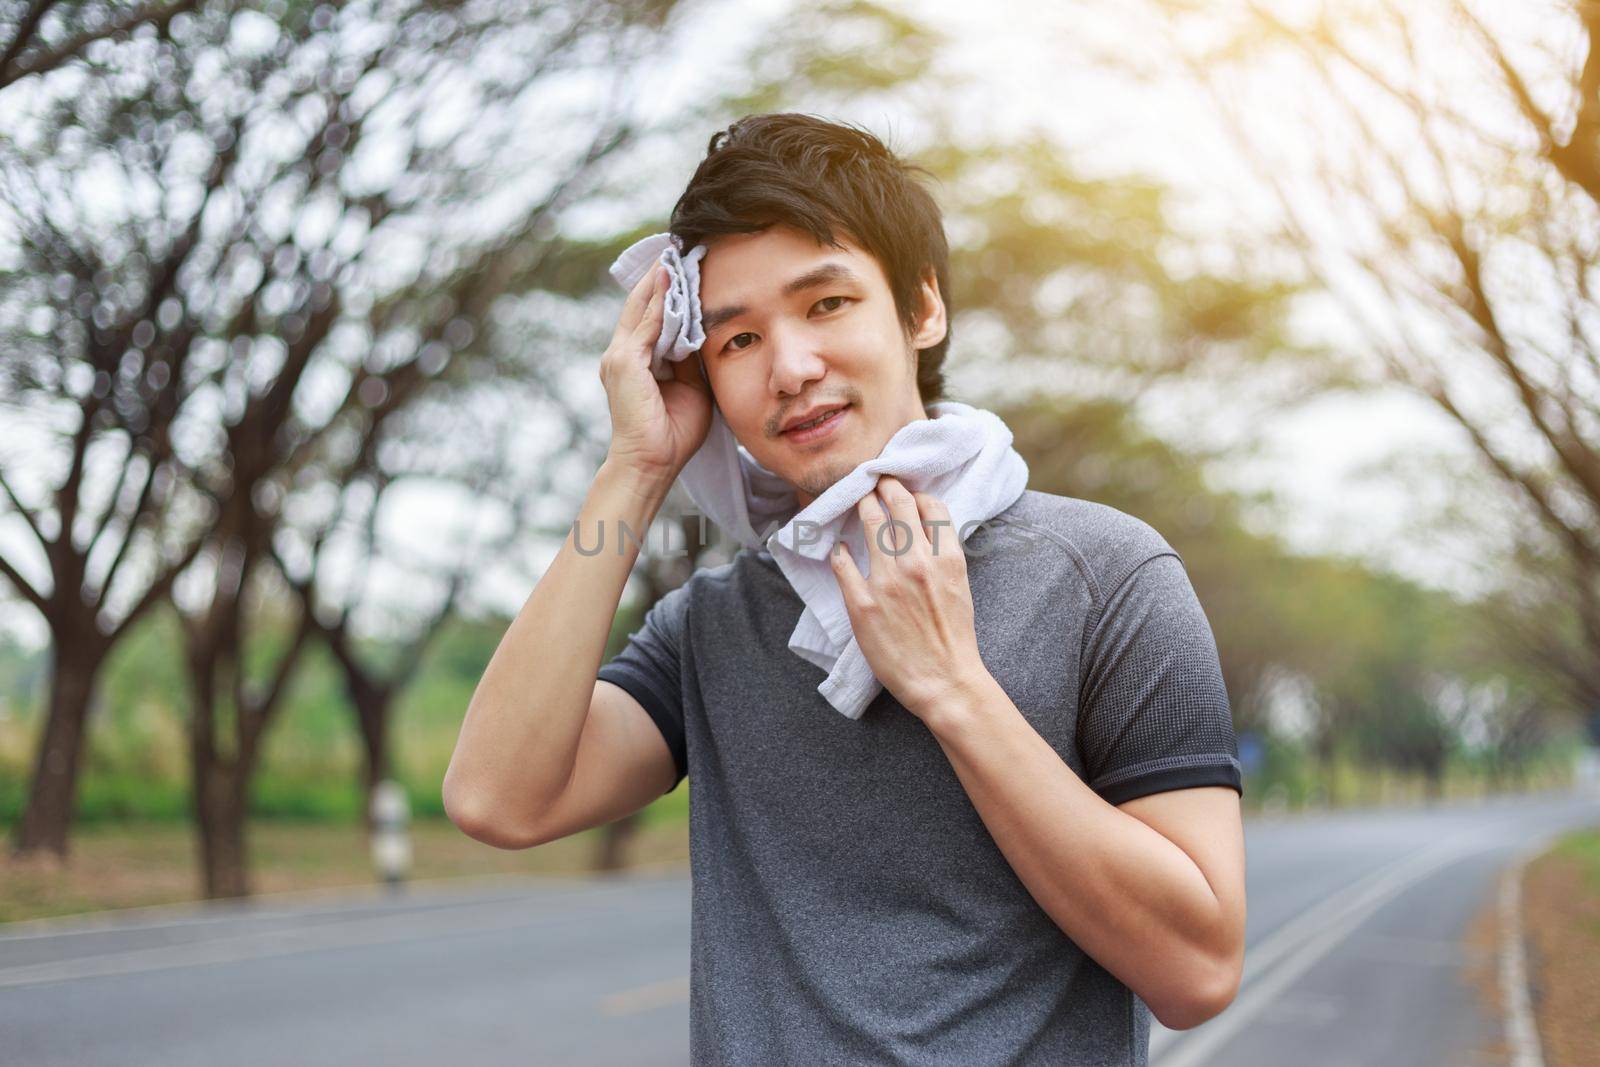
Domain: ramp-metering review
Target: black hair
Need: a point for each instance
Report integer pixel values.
(817, 175)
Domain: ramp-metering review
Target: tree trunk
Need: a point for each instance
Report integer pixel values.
(221, 760)
(1330, 780)
(221, 797)
(1433, 784)
(611, 853)
(47, 820)
(372, 714)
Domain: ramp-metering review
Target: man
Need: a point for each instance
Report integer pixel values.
(1030, 840)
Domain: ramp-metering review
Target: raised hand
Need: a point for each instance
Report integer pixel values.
(655, 425)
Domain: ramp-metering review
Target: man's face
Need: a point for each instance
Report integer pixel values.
(793, 326)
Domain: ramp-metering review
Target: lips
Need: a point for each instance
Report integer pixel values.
(814, 415)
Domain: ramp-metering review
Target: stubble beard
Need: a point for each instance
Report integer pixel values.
(818, 481)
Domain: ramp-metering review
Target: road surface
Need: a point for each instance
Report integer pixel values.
(1358, 954)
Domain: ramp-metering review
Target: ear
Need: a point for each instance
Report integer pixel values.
(932, 327)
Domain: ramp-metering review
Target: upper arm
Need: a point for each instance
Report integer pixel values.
(1207, 824)
(631, 749)
(622, 764)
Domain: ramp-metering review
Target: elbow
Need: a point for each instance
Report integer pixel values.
(1204, 998)
(481, 819)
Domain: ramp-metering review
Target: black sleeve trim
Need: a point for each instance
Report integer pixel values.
(1172, 778)
(658, 708)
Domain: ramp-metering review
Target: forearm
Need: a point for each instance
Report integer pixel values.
(1130, 898)
(519, 739)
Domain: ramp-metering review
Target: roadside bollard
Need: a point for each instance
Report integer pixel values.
(391, 843)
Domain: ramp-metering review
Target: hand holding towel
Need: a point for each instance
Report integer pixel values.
(963, 456)
(730, 488)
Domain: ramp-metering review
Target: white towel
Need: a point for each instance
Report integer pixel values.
(962, 455)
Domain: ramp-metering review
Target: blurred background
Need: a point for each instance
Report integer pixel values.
(301, 307)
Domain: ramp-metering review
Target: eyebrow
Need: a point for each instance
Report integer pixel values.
(826, 273)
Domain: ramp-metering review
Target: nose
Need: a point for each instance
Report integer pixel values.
(794, 363)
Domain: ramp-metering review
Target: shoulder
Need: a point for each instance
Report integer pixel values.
(745, 577)
(1109, 544)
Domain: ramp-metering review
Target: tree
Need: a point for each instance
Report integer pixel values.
(293, 229)
(1448, 204)
(85, 365)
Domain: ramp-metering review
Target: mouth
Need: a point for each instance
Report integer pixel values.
(817, 428)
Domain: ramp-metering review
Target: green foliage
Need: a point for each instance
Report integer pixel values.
(110, 794)
(136, 765)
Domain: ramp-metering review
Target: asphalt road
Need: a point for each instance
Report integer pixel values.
(1357, 955)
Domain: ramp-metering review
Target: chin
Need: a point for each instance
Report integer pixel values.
(819, 479)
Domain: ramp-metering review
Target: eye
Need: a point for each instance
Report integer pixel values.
(730, 346)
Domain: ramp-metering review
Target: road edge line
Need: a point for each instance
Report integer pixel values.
(1522, 1030)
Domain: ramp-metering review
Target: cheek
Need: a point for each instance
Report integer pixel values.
(739, 394)
(863, 348)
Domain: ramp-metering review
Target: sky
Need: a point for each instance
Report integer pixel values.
(1320, 460)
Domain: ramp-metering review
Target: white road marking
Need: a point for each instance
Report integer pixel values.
(1521, 1031)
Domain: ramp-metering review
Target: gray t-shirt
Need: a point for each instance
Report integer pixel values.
(848, 903)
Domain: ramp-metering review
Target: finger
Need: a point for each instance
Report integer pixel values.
(851, 584)
(638, 296)
(936, 521)
(907, 525)
(649, 327)
(880, 541)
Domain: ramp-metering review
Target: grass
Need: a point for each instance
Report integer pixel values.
(1582, 849)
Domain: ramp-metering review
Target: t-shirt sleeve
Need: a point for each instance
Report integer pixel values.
(649, 667)
(1153, 710)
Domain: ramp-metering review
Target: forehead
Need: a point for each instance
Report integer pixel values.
(753, 268)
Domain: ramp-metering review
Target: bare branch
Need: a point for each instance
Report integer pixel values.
(16, 64)
(27, 516)
(161, 586)
(24, 590)
(24, 34)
